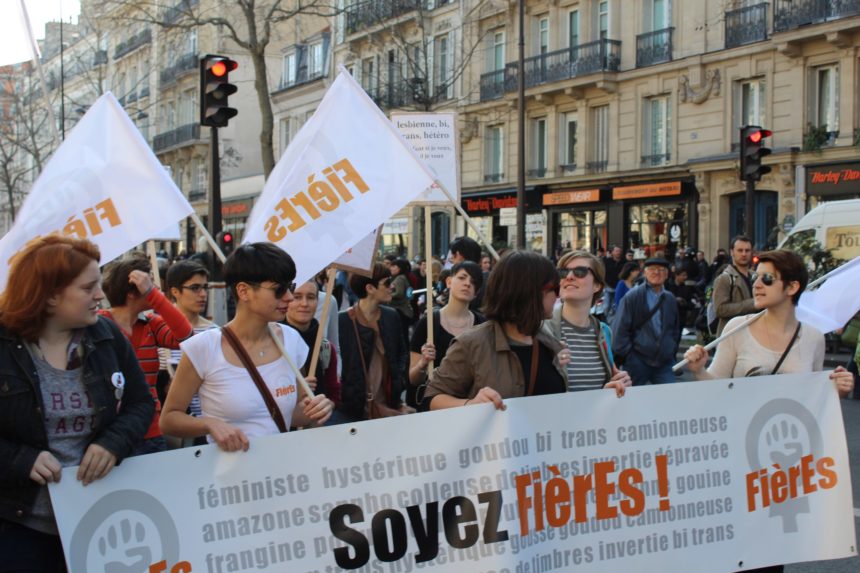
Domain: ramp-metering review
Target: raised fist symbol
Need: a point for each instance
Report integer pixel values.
(786, 450)
(124, 548)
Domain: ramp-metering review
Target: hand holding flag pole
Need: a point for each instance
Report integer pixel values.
(303, 384)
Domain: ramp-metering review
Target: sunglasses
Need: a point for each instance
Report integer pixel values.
(578, 272)
(767, 279)
(196, 287)
(279, 289)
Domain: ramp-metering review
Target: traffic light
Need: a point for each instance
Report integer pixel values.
(752, 150)
(215, 89)
(225, 241)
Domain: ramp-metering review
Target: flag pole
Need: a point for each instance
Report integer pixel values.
(468, 219)
(428, 257)
(300, 379)
(156, 276)
(34, 50)
(329, 294)
(714, 343)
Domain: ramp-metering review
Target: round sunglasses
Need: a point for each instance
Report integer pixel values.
(578, 272)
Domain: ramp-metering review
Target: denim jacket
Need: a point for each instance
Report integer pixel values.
(22, 430)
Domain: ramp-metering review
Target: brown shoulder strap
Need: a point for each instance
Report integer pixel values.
(534, 365)
(271, 405)
(358, 344)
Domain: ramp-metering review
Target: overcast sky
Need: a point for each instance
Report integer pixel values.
(13, 41)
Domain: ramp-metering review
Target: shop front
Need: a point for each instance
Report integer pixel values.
(659, 218)
(494, 213)
(579, 219)
(832, 182)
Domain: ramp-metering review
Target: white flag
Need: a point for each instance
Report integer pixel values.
(361, 256)
(354, 171)
(103, 184)
(833, 304)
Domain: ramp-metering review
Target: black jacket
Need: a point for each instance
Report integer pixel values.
(22, 430)
(353, 390)
(632, 331)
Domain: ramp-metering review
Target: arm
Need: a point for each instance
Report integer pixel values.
(169, 325)
(722, 296)
(452, 382)
(421, 353)
(175, 422)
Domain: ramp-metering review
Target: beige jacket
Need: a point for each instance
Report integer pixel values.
(482, 357)
(731, 297)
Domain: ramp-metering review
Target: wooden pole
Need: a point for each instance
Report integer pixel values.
(468, 219)
(315, 356)
(153, 260)
(428, 257)
(300, 379)
(212, 242)
(713, 344)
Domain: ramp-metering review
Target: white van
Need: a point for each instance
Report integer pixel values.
(834, 224)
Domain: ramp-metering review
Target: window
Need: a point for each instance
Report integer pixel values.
(542, 46)
(657, 131)
(538, 159)
(186, 107)
(658, 15)
(573, 28)
(443, 67)
(749, 108)
(200, 176)
(284, 134)
(289, 71)
(315, 60)
(825, 100)
(192, 41)
(568, 142)
(171, 116)
(599, 159)
(368, 76)
(496, 51)
(493, 159)
(601, 19)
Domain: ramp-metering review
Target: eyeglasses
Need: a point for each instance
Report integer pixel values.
(279, 289)
(578, 272)
(767, 279)
(196, 287)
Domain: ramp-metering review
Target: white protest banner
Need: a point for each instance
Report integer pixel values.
(832, 305)
(103, 184)
(360, 258)
(171, 233)
(354, 172)
(434, 138)
(708, 477)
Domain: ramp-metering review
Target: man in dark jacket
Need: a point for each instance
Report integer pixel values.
(646, 329)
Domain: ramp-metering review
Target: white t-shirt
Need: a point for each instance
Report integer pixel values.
(229, 394)
(741, 355)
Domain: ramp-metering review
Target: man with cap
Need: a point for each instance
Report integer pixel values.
(646, 329)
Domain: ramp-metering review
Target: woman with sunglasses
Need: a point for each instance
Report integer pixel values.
(450, 321)
(374, 352)
(776, 343)
(510, 355)
(588, 340)
(260, 277)
(71, 393)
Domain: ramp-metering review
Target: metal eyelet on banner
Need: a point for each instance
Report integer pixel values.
(353, 431)
(731, 385)
(198, 453)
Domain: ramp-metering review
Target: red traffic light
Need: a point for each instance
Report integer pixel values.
(219, 69)
(757, 136)
(228, 237)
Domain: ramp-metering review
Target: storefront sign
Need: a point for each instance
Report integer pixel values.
(488, 204)
(844, 179)
(569, 197)
(649, 190)
(843, 241)
(240, 209)
(709, 477)
(507, 216)
(397, 226)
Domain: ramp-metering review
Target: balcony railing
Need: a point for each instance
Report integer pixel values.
(131, 98)
(372, 12)
(567, 168)
(303, 76)
(133, 43)
(536, 173)
(144, 92)
(654, 47)
(494, 177)
(746, 25)
(790, 14)
(178, 136)
(597, 166)
(175, 12)
(599, 56)
(197, 194)
(185, 64)
(100, 57)
(655, 160)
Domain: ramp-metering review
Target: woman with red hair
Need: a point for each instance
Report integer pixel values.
(71, 393)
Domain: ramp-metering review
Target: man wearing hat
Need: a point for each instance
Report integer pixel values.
(646, 329)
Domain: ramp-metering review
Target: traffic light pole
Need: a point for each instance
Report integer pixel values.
(214, 196)
(749, 217)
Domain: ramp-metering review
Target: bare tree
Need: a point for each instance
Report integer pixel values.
(250, 24)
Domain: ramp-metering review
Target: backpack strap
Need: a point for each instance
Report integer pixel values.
(602, 346)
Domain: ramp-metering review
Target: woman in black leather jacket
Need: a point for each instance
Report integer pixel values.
(71, 393)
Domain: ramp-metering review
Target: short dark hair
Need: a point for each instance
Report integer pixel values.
(468, 247)
(181, 271)
(741, 238)
(627, 269)
(403, 265)
(256, 263)
(790, 267)
(474, 270)
(115, 277)
(390, 257)
(358, 283)
(515, 290)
